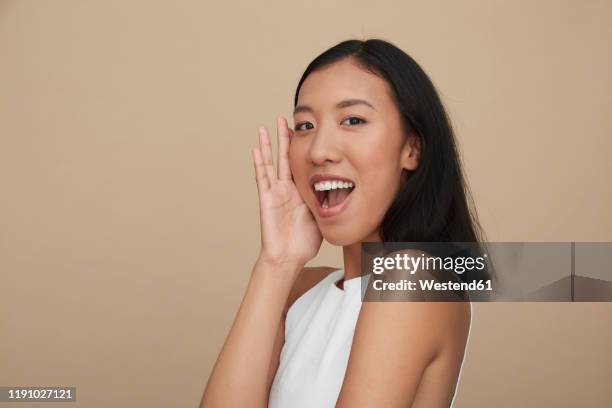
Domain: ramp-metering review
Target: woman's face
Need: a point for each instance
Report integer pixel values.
(347, 127)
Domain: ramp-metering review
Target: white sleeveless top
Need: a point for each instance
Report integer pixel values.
(319, 329)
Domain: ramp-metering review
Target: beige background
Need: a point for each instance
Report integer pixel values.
(128, 210)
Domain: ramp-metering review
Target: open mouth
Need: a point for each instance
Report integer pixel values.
(332, 193)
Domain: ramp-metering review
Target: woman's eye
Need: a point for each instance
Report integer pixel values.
(299, 126)
(355, 120)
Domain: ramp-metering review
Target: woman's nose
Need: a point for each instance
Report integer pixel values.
(324, 147)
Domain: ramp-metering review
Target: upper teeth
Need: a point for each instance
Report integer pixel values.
(332, 185)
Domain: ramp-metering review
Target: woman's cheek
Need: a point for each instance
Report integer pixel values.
(307, 197)
(377, 200)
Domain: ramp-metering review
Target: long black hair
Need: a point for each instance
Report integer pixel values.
(434, 204)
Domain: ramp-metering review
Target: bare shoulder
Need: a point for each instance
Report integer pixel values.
(411, 351)
(308, 277)
(443, 322)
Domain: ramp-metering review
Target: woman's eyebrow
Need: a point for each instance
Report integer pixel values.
(342, 104)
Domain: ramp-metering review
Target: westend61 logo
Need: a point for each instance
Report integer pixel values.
(400, 264)
(487, 271)
(412, 264)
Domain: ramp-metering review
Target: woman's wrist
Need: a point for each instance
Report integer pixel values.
(282, 269)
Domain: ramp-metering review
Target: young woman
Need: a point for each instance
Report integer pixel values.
(372, 158)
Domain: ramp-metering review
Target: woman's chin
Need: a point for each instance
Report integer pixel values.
(336, 236)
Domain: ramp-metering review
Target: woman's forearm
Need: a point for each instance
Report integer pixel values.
(239, 377)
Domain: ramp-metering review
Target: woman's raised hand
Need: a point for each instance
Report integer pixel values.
(289, 232)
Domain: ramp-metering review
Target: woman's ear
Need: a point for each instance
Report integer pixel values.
(411, 152)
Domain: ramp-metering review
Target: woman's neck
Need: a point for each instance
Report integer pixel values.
(352, 257)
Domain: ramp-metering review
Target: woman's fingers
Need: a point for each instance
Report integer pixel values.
(263, 184)
(282, 156)
(266, 153)
(265, 172)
